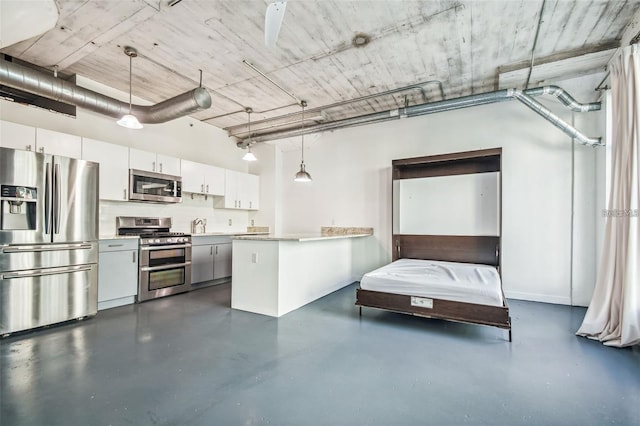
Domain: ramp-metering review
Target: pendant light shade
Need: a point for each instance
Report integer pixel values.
(129, 120)
(249, 155)
(302, 175)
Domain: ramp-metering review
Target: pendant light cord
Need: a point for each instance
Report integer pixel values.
(130, 74)
(302, 105)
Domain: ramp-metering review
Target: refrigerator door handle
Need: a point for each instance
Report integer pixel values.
(56, 200)
(47, 200)
(43, 272)
(48, 247)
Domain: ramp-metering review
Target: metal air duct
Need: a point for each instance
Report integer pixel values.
(451, 104)
(32, 81)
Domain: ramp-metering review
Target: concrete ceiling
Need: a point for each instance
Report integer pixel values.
(468, 46)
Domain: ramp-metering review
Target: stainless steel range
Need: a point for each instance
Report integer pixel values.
(165, 257)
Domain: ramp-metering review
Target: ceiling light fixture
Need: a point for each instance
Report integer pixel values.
(302, 175)
(129, 120)
(249, 155)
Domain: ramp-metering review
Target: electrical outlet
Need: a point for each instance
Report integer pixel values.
(254, 257)
(252, 222)
(230, 222)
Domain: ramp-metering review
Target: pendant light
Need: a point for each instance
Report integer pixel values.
(129, 120)
(249, 155)
(302, 175)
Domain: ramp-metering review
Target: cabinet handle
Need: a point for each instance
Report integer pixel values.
(216, 249)
(240, 203)
(124, 194)
(115, 245)
(160, 167)
(249, 204)
(202, 188)
(211, 250)
(28, 147)
(133, 257)
(153, 166)
(207, 188)
(41, 150)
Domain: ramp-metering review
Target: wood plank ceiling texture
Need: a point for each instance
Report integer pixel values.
(469, 46)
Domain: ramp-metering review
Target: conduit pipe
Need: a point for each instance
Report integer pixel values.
(36, 82)
(452, 104)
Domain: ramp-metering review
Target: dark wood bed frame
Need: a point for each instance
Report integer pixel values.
(450, 248)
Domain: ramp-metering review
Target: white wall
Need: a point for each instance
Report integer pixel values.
(351, 169)
(183, 138)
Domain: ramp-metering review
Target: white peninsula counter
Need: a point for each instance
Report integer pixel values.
(276, 274)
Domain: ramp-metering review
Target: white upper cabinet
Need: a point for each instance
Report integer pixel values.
(214, 180)
(56, 143)
(242, 191)
(152, 162)
(252, 191)
(202, 178)
(114, 167)
(17, 136)
(168, 165)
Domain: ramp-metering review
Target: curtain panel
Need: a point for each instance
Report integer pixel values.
(613, 316)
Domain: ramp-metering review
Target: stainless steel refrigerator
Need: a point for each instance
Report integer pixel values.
(48, 239)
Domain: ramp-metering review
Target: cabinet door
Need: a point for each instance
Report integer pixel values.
(56, 143)
(252, 192)
(142, 160)
(201, 263)
(222, 261)
(168, 165)
(230, 189)
(214, 180)
(192, 176)
(17, 136)
(118, 274)
(114, 167)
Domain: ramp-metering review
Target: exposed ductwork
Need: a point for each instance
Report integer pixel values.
(451, 104)
(32, 81)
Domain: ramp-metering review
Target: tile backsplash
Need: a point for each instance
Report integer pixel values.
(218, 220)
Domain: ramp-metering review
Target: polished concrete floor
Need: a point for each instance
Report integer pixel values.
(191, 360)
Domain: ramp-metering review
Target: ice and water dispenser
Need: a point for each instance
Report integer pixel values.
(18, 207)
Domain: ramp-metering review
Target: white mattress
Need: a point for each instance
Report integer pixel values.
(458, 282)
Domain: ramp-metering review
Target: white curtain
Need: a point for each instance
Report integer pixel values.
(613, 316)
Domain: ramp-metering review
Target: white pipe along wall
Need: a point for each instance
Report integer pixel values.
(351, 169)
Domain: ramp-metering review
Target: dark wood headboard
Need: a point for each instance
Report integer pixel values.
(449, 248)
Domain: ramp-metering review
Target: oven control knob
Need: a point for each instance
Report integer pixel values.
(157, 240)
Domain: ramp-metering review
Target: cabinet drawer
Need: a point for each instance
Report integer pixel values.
(118, 244)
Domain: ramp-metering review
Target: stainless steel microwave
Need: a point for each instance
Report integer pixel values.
(154, 187)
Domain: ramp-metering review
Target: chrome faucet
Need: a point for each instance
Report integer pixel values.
(199, 226)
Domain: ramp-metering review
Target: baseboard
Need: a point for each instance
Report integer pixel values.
(114, 303)
(536, 297)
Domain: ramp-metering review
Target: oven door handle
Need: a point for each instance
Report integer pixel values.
(163, 267)
(171, 246)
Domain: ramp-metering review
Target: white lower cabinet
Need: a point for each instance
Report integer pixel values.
(210, 258)
(117, 272)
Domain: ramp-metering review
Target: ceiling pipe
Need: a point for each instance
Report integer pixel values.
(238, 130)
(38, 83)
(452, 104)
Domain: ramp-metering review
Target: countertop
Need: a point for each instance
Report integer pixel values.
(117, 237)
(206, 234)
(229, 234)
(297, 237)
